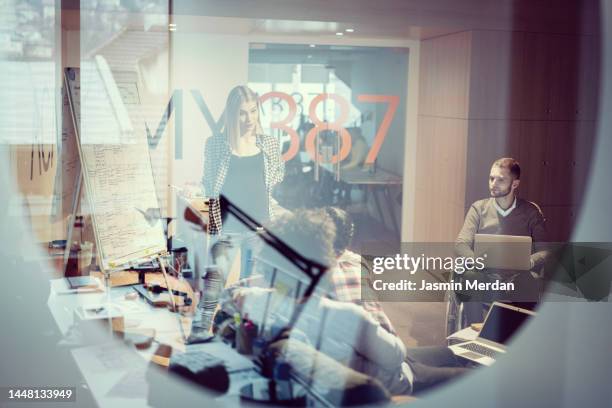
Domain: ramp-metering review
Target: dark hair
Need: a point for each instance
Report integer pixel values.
(344, 228)
(510, 164)
(308, 232)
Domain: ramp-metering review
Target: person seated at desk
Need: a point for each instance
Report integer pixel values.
(345, 277)
(344, 331)
(503, 213)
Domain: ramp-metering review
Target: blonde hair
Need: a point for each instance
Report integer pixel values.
(235, 99)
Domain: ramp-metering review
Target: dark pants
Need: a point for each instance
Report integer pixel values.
(433, 366)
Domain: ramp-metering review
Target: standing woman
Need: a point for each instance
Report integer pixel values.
(242, 165)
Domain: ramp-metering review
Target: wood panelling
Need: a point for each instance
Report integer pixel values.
(555, 161)
(532, 157)
(558, 167)
(422, 215)
(558, 77)
(531, 96)
(442, 137)
(445, 76)
(588, 77)
(563, 83)
(455, 65)
(441, 178)
(560, 222)
(425, 152)
(427, 77)
(496, 63)
(533, 87)
(449, 164)
(584, 145)
(437, 220)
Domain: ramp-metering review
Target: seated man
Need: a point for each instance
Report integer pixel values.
(503, 213)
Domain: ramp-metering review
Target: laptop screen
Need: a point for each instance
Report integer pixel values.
(502, 323)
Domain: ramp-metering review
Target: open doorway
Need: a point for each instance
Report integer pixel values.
(339, 115)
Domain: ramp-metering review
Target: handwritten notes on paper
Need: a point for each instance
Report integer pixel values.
(117, 169)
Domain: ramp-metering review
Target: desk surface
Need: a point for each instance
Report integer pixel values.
(363, 176)
(115, 373)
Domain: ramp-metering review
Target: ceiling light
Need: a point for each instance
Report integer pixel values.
(339, 34)
(312, 45)
(350, 30)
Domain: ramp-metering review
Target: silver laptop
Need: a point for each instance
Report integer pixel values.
(501, 323)
(504, 251)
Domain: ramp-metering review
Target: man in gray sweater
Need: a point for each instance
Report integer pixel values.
(503, 213)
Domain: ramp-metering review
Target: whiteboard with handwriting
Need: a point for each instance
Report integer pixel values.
(118, 178)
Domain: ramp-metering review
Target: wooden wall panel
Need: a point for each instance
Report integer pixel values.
(422, 215)
(442, 137)
(588, 77)
(564, 81)
(524, 95)
(583, 147)
(450, 160)
(532, 157)
(453, 62)
(427, 80)
(496, 63)
(560, 222)
(425, 154)
(559, 157)
(444, 72)
(533, 85)
(441, 178)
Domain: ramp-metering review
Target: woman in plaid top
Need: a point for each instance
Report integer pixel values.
(241, 163)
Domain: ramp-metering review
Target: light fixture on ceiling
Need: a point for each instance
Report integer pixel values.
(350, 30)
(339, 34)
(312, 45)
(172, 27)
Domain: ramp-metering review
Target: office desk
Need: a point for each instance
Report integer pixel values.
(115, 373)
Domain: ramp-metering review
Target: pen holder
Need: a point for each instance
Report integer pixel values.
(79, 259)
(245, 335)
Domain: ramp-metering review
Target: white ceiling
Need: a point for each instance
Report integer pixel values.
(380, 19)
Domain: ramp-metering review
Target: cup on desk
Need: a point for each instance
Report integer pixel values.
(85, 255)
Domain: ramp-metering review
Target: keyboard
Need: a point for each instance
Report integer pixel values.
(480, 349)
(214, 353)
(196, 360)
